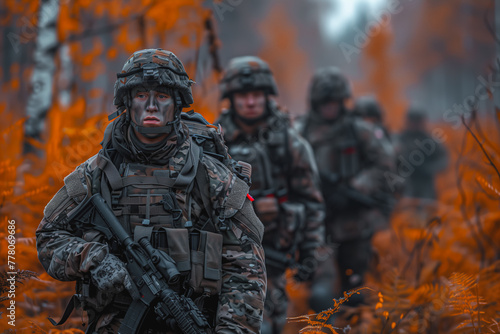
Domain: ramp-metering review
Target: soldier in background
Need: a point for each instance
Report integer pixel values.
(352, 159)
(414, 139)
(162, 185)
(285, 182)
(369, 109)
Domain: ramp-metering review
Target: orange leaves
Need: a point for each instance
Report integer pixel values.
(384, 79)
(319, 321)
(282, 52)
(112, 53)
(67, 23)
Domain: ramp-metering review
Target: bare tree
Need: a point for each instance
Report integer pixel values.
(42, 79)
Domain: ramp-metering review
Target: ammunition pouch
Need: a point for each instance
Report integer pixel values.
(197, 255)
(267, 209)
(206, 262)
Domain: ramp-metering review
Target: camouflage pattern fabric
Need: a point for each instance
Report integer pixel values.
(68, 253)
(171, 74)
(110, 275)
(275, 306)
(285, 183)
(354, 157)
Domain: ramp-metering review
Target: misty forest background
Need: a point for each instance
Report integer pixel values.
(436, 271)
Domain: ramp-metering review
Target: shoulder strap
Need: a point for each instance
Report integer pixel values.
(204, 187)
(289, 161)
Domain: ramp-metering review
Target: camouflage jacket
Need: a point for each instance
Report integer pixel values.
(352, 158)
(285, 182)
(69, 253)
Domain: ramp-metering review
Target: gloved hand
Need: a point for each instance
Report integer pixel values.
(111, 275)
(308, 265)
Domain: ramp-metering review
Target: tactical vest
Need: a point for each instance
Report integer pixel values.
(337, 149)
(150, 201)
(270, 155)
(165, 204)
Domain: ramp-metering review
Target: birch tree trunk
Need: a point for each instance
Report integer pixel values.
(42, 79)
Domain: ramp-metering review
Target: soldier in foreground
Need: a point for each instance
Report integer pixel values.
(351, 159)
(284, 179)
(168, 192)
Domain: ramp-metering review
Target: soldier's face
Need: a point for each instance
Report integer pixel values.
(250, 105)
(151, 108)
(330, 110)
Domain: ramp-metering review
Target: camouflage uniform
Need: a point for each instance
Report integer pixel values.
(415, 140)
(285, 185)
(351, 159)
(368, 108)
(190, 204)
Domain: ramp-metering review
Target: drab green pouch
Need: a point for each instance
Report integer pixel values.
(206, 262)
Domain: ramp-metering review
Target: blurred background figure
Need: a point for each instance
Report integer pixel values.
(420, 155)
(351, 158)
(369, 109)
(285, 181)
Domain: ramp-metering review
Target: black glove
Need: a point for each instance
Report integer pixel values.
(111, 275)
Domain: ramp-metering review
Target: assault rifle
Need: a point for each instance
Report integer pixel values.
(152, 272)
(333, 185)
(278, 260)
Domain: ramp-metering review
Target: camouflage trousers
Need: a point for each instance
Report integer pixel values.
(275, 306)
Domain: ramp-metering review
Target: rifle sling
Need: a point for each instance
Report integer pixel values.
(67, 312)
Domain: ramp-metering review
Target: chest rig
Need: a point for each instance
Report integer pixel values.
(269, 154)
(336, 148)
(164, 204)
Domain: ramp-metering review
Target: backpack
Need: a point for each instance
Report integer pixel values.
(210, 139)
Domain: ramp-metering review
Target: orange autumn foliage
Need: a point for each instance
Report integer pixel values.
(73, 132)
(437, 269)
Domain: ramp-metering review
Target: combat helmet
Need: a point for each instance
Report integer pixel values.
(247, 73)
(328, 84)
(368, 106)
(156, 69)
(416, 114)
